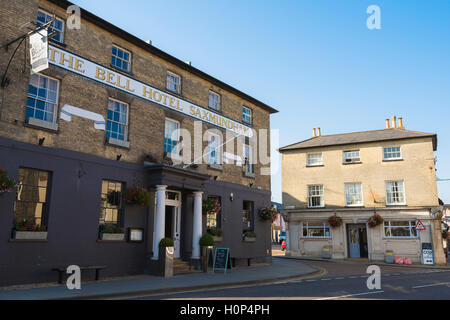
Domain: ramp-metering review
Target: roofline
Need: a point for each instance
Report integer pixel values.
(86, 15)
(434, 136)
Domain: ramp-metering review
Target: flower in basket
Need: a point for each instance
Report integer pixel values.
(445, 234)
(137, 195)
(375, 220)
(6, 184)
(268, 213)
(28, 225)
(211, 206)
(335, 221)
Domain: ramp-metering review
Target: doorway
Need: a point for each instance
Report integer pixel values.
(173, 220)
(357, 241)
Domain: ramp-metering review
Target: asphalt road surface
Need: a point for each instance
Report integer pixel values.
(341, 281)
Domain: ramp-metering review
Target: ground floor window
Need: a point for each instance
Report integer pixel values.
(213, 216)
(400, 229)
(247, 216)
(31, 206)
(111, 203)
(316, 230)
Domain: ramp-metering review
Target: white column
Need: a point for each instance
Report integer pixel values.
(197, 225)
(160, 219)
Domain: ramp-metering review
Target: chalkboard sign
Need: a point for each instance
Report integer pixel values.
(221, 259)
(427, 253)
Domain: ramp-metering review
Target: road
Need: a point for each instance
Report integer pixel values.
(341, 281)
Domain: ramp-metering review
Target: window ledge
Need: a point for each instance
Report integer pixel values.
(217, 167)
(392, 160)
(396, 205)
(348, 163)
(118, 143)
(61, 44)
(27, 241)
(248, 174)
(125, 72)
(41, 124)
(314, 165)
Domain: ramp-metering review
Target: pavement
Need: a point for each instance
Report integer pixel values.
(280, 269)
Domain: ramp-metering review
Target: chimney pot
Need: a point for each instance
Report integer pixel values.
(394, 122)
(318, 132)
(388, 124)
(314, 133)
(400, 123)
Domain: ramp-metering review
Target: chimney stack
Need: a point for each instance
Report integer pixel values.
(388, 124)
(314, 133)
(394, 122)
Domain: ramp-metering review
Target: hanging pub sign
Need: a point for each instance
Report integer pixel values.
(39, 51)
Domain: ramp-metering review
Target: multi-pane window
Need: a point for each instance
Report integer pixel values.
(353, 194)
(173, 82)
(248, 158)
(121, 58)
(316, 230)
(315, 196)
(351, 156)
(247, 115)
(214, 100)
(171, 135)
(392, 153)
(314, 159)
(30, 208)
(395, 193)
(400, 229)
(214, 149)
(42, 99)
(247, 216)
(111, 202)
(213, 218)
(56, 26)
(117, 120)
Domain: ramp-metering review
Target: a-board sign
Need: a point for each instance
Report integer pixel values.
(427, 253)
(221, 259)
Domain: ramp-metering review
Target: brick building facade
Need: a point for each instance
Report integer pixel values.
(73, 167)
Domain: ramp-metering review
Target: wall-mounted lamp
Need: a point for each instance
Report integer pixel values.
(118, 157)
(251, 184)
(215, 178)
(41, 141)
(231, 197)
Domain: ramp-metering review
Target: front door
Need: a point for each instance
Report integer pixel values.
(173, 220)
(357, 241)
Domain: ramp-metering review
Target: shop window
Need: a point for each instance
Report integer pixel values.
(111, 203)
(400, 229)
(32, 200)
(316, 230)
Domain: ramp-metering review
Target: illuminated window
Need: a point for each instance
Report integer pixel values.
(111, 203)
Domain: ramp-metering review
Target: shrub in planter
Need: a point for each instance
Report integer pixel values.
(215, 232)
(137, 195)
(6, 184)
(206, 240)
(29, 226)
(375, 220)
(335, 221)
(250, 234)
(165, 242)
(110, 228)
(268, 213)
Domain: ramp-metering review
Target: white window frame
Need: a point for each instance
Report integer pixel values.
(217, 150)
(217, 102)
(309, 158)
(411, 226)
(61, 32)
(172, 83)
(122, 59)
(347, 194)
(248, 115)
(388, 150)
(249, 168)
(321, 195)
(350, 156)
(55, 105)
(126, 125)
(324, 227)
(165, 128)
(388, 190)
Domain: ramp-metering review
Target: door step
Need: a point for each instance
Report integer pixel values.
(183, 267)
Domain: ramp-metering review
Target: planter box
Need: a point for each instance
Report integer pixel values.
(112, 236)
(217, 239)
(30, 235)
(247, 239)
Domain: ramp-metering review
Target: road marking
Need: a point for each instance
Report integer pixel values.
(351, 295)
(432, 285)
(325, 279)
(311, 280)
(342, 278)
(353, 277)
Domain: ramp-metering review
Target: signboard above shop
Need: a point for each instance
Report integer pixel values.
(96, 72)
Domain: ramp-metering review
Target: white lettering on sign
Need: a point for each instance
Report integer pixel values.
(91, 70)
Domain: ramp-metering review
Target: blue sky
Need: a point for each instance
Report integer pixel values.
(314, 61)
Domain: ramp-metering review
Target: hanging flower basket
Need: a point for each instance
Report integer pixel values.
(445, 234)
(137, 195)
(375, 220)
(6, 184)
(335, 221)
(211, 206)
(268, 213)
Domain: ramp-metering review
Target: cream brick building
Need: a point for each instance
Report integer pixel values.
(390, 173)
